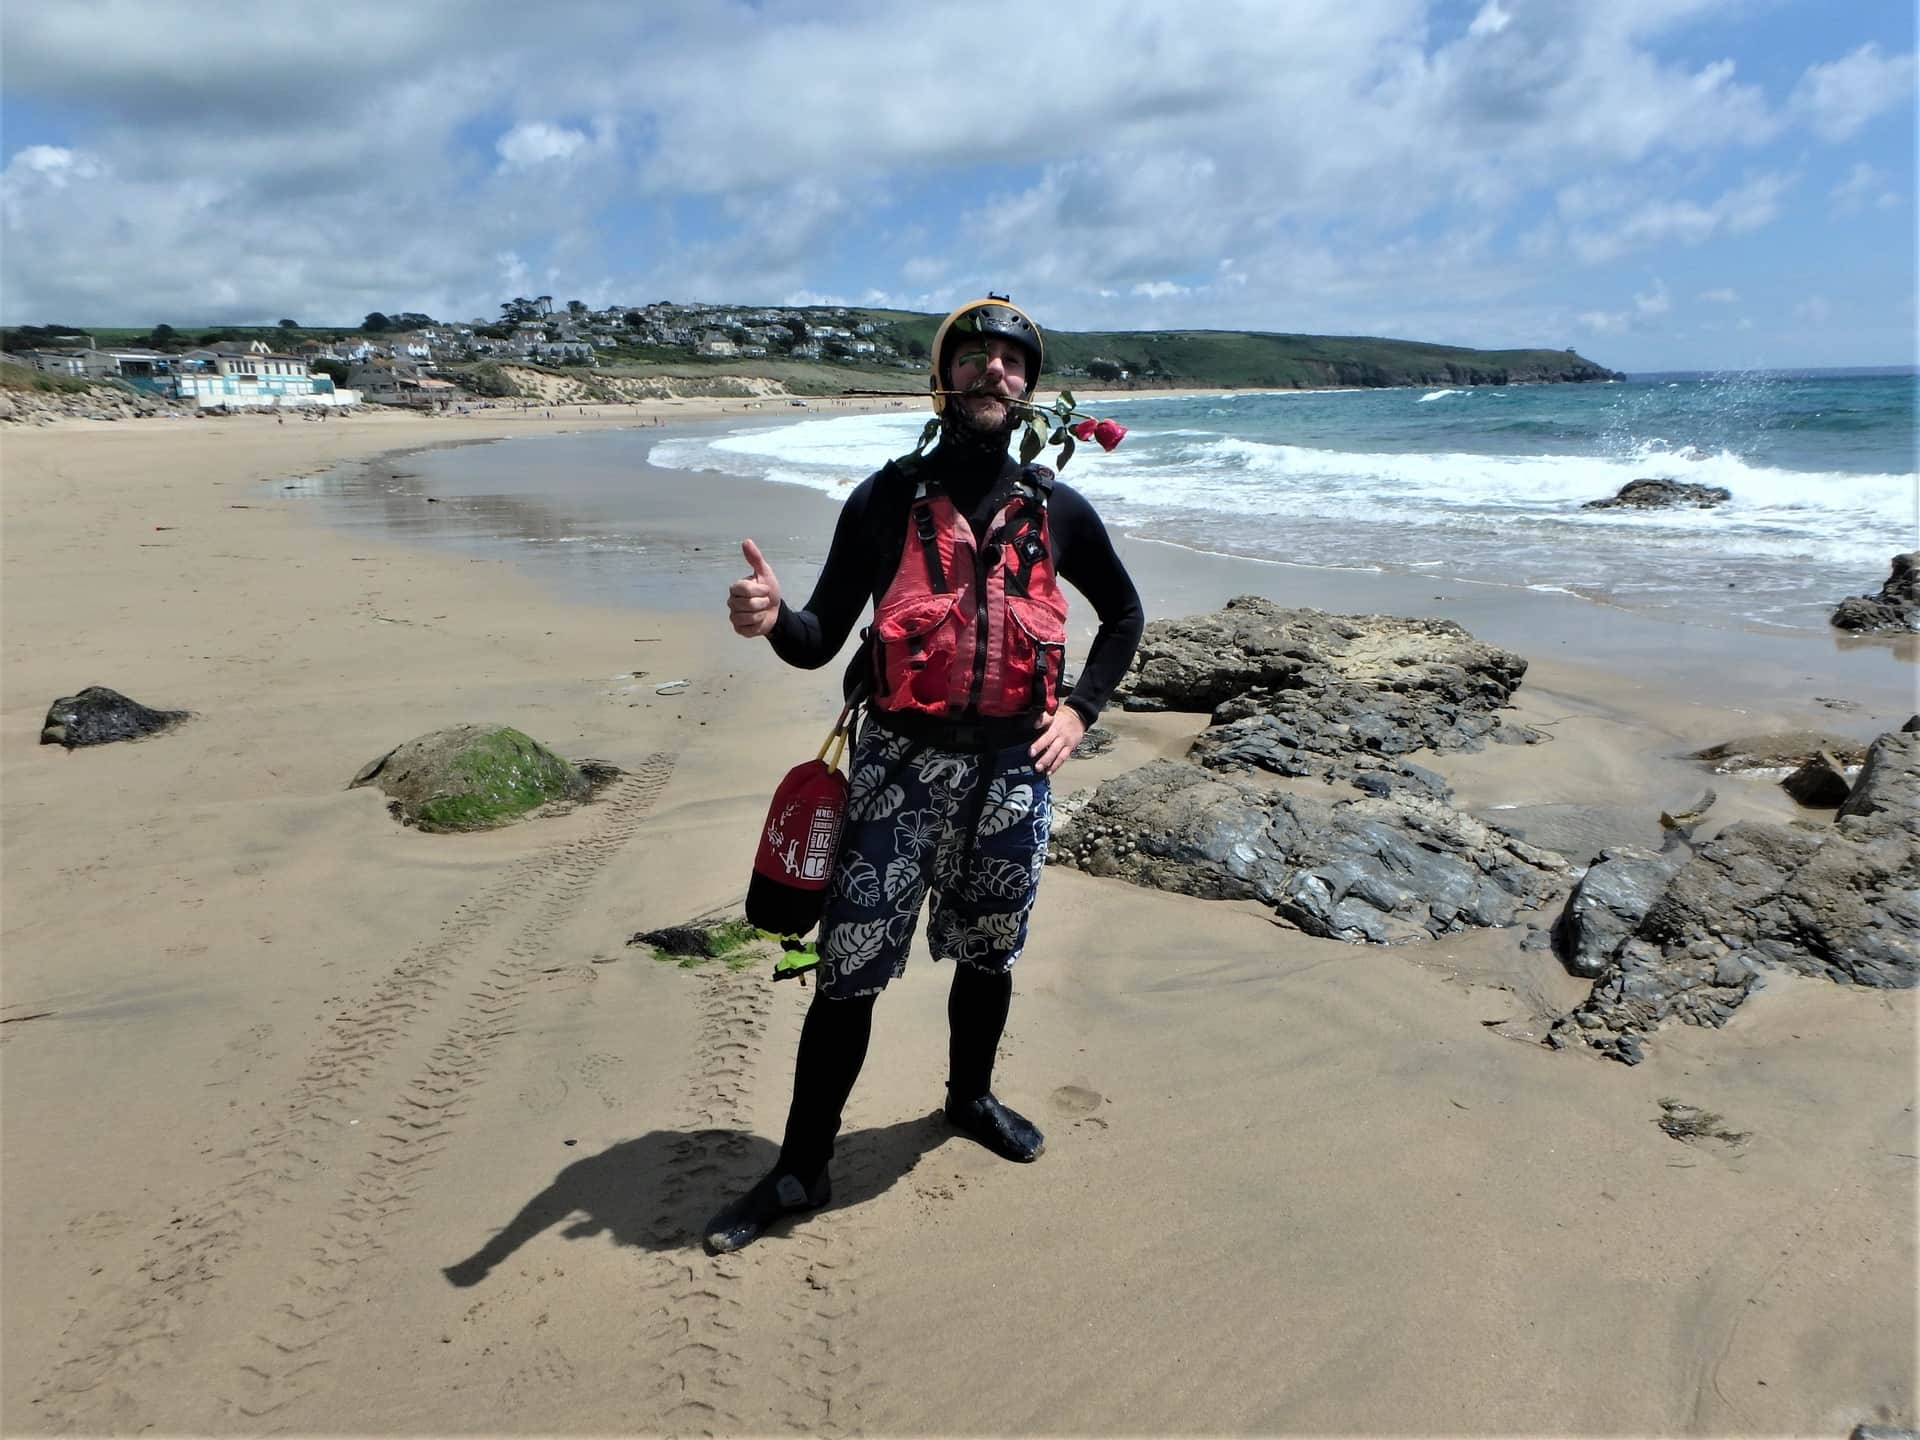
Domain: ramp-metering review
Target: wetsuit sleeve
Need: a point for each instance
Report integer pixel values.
(1084, 553)
(811, 636)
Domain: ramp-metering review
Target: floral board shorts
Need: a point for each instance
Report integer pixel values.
(969, 826)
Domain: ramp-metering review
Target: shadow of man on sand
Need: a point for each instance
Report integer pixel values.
(657, 1192)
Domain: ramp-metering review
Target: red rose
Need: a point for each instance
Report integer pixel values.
(1109, 433)
(1084, 430)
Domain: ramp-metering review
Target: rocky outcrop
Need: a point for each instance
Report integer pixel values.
(1251, 648)
(1662, 495)
(1301, 692)
(1843, 905)
(100, 402)
(1894, 611)
(477, 777)
(1607, 905)
(549, 386)
(98, 716)
(1381, 870)
(1888, 785)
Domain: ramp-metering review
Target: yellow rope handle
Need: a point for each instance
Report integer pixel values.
(836, 740)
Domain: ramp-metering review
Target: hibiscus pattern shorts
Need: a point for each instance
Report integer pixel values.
(970, 827)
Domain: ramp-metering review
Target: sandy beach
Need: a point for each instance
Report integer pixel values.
(315, 1124)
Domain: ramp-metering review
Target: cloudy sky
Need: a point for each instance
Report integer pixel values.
(1660, 183)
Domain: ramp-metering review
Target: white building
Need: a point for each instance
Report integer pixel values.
(253, 378)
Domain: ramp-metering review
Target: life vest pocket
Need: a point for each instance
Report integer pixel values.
(1036, 641)
(915, 644)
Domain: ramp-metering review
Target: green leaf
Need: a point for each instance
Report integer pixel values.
(1059, 436)
(1031, 444)
(927, 432)
(1066, 453)
(1064, 404)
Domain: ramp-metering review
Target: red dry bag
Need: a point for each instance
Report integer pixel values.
(800, 842)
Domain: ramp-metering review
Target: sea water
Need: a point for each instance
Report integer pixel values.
(1481, 486)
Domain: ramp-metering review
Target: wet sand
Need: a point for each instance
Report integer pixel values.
(314, 1124)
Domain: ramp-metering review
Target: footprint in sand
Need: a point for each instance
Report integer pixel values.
(1076, 1100)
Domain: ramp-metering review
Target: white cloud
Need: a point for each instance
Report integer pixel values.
(1721, 296)
(54, 164)
(1653, 302)
(1604, 322)
(536, 143)
(1490, 21)
(1605, 219)
(1814, 310)
(1839, 97)
(1159, 289)
(1862, 186)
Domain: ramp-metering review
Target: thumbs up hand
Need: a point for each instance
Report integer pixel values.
(753, 602)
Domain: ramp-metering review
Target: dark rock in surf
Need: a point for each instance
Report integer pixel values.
(1662, 495)
(1894, 611)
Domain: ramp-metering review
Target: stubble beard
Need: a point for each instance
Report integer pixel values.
(987, 413)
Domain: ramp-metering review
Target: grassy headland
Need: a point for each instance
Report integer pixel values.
(827, 350)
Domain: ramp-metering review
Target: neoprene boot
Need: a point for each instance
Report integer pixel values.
(833, 1046)
(773, 1197)
(976, 1017)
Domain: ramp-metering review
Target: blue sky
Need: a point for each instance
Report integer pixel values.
(1661, 184)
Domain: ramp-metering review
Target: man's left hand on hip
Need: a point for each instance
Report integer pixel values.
(1059, 733)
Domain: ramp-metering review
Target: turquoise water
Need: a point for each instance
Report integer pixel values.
(1485, 485)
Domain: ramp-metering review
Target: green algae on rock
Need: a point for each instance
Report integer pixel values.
(731, 940)
(476, 777)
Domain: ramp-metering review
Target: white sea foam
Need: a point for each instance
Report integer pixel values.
(1793, 537)
(1835, 516)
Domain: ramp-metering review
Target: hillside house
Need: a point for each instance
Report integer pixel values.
(251, 377)
(71, 363)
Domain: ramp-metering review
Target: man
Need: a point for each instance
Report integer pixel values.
(959, 551)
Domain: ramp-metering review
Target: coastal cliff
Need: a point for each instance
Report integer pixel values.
(1258, 360)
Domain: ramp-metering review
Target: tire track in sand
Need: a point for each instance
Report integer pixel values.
(769, 1312)
(135, 1331)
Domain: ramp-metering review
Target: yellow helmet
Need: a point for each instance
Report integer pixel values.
(995, 315)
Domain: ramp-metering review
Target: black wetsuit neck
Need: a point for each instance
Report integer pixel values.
(970, 476)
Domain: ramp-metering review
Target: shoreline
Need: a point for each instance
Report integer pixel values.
(1785, 671)
(311, 1116)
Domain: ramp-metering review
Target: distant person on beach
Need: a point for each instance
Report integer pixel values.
(967, 715)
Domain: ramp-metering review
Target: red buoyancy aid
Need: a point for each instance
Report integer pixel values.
(966, 627)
